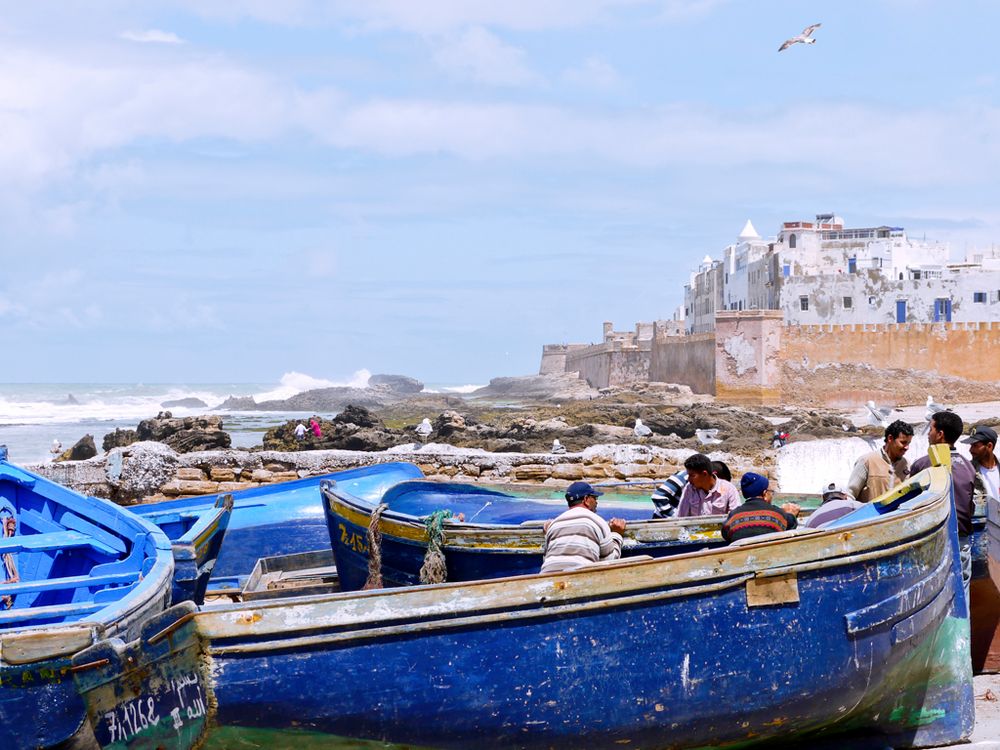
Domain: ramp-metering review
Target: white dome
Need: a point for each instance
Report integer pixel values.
(748, 233)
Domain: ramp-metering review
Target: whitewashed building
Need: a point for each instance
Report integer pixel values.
(822, 272)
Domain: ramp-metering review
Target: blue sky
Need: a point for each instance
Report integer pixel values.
(209, 191)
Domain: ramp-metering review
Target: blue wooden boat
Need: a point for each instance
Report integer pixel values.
(75, 570)
(858, 630)
(274, 519)
(501, 534)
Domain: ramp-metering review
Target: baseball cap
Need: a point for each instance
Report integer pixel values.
(834, 491)
(581, 489)
(982, 435)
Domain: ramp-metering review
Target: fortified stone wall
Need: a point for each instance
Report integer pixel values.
(964, 350)
(554, 358)
(688, 360)
(611, 363)
(748, 356)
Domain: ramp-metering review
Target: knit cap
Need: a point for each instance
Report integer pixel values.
(753, 485)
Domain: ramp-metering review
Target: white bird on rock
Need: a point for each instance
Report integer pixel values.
(878, 415)
(640, 430)
(558, 447)
(424, 428)
(707, 437)
(804, 38)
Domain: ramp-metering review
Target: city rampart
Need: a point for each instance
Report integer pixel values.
(964, 350)
(612, 363)
(687, 360)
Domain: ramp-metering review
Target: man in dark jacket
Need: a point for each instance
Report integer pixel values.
(757, 515)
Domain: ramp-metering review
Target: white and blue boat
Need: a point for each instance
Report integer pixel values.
(75, 570)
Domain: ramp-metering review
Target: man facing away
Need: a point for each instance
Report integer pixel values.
(946, 427)
(837, 502)
(579, 536)
(982, 443)
(705, 494)
(878, 472)
(757, 515)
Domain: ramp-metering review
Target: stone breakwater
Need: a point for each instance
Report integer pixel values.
(148, 471)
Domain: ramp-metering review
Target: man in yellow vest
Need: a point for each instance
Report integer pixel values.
(881, 470)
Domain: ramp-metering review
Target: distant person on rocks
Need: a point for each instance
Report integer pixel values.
(579, 536)
(316, 430)
(837, 502)
(300, 431)
(705, 494)
(945, 428)
(757, 515)
(982, 444)
(878, 472)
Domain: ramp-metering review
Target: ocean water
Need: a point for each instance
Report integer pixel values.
(32, 415)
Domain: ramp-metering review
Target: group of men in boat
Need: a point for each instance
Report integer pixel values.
(704, 488)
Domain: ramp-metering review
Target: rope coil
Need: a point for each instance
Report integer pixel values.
(375, 549)
(435, 568)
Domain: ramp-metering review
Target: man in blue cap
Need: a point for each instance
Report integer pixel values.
(757, 515)
(579, 536)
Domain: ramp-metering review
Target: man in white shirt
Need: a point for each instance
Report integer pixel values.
(981, 444)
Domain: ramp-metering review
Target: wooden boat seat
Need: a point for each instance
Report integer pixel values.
(800, 531)
(56, 611)
(54, 540)
(70, 582)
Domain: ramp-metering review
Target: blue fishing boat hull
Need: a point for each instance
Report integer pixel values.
(501, 537)
(80, 569)
(277, 519)
(809, 635)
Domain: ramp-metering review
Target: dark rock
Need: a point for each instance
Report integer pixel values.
(187, 434)
(119, 439)
(71, 400)
(186, 403)
(564, 387)
(329, 399)
(449, 423)
(396, 383)
(336, 434)
(360, 416)
(84, 448)
(238, 403)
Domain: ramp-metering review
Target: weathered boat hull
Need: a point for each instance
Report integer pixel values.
(87, 570)
(277, 519)
(855, 629)
(474, 551)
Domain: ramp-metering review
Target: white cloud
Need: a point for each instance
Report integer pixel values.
(594, 73)
(481, 56)
(152, 36)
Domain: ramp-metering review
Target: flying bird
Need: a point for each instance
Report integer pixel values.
(640, 430)
(804, 38)
(878, 415)
(707, 437)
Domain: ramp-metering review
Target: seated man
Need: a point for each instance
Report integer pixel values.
(667, 496)
(579, 536)
(757, 515)
(705, 494)
(837, 502)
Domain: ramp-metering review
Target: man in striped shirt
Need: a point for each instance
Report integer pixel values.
(579, 536)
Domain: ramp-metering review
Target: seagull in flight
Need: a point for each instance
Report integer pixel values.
(804, 38)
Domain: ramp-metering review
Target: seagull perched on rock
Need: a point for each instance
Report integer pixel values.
(804, 38)
(424, 428)
(558, 447)
(640, 430)
(707, 437)
(878, 415)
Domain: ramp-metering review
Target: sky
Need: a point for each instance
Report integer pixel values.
(213, 191)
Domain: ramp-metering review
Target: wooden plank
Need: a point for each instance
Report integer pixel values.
(767, 592)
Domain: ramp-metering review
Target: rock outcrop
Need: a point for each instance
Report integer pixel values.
(560, 387)
(119, 439)
(83, 449)
(185, 403)
(396, 383)
(187, 434)
(355, 428)
(238, 403)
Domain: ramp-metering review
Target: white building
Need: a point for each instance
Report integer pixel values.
(822, 272)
